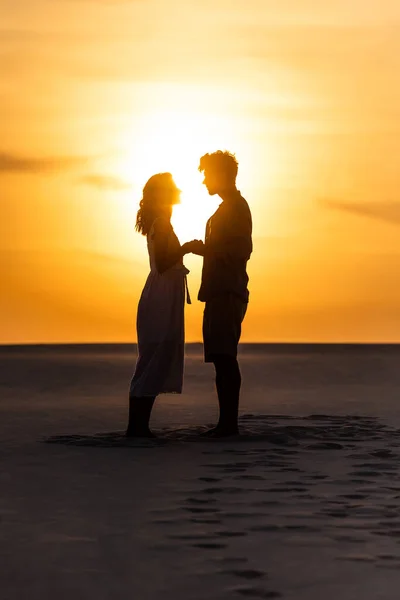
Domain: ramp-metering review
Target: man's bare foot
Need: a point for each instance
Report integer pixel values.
(139, 433)
(219, 432)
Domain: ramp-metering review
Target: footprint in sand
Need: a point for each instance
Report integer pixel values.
(205, 521)
(273, 465)
(198, 510)
(242, 515)
(165, 512)
(221, 490)
(390, 519)
(210, 545)
(246, 573)
(357, 481)
(201, 500)
(354, 496)
(277, 490)
(234, 470)
(229, 560)
(267, 503)
(371, 511)
(384, 453)
(172, 522)
(337, 514)
(324, 446)
(256, 592)
(231, 533)
(250, 477)
(381, 466)
(357, 557)
(299, 514)
(349, 539)
(284, 451)
(229, 466)
(303, 528)
(291, 470)
(365, 473)
(190, 537)
(267, 527)
(395, 533)
(303, 496)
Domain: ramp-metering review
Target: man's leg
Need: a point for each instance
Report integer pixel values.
(222, 321)
(228, 381)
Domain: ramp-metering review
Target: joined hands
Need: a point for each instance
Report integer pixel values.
(194, 247)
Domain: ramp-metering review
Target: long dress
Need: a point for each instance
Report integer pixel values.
(160, 328)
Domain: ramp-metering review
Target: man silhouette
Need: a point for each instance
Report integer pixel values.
(226, 250)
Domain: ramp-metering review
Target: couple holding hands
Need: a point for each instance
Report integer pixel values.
(160, 317)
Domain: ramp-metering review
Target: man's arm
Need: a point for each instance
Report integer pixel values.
(239, 246)
(230, 239)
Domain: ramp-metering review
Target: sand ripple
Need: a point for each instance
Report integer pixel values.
(327, 482)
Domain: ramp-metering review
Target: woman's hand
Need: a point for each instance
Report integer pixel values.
(194, 247)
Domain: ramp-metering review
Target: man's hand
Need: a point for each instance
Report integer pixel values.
(195, 247)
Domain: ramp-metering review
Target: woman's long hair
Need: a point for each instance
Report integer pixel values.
(154, 198)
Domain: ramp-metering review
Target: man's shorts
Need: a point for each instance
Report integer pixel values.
(222, 325)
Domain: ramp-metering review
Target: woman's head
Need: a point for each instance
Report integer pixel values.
(159, 195)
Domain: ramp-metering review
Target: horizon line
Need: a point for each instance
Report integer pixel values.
(241, 344)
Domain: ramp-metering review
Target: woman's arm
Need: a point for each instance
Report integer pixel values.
(195, 247)
(165, 257)
(235, 246)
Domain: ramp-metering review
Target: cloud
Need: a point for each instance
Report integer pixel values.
(383, 211)
(105, 182)
(11, 163)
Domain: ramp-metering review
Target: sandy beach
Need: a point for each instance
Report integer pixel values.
(304, 505)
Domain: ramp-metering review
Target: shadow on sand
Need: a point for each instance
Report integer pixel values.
(314, 432)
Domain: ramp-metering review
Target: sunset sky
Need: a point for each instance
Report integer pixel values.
(97, 95)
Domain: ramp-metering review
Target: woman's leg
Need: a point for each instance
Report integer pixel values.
(139, 416)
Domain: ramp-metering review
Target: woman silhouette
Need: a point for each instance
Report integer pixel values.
(160, 315)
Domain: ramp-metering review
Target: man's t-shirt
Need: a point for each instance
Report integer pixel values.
(227, 248)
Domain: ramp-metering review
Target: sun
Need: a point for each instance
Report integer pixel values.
(174, 141)
(190, 216)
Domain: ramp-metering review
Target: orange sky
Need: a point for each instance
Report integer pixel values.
(97, 95)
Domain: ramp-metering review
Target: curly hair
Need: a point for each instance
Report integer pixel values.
(220, 162)
(152, 200)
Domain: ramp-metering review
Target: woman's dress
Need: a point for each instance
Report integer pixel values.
(160, 327)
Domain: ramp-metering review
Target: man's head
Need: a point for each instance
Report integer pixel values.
(220, 170)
